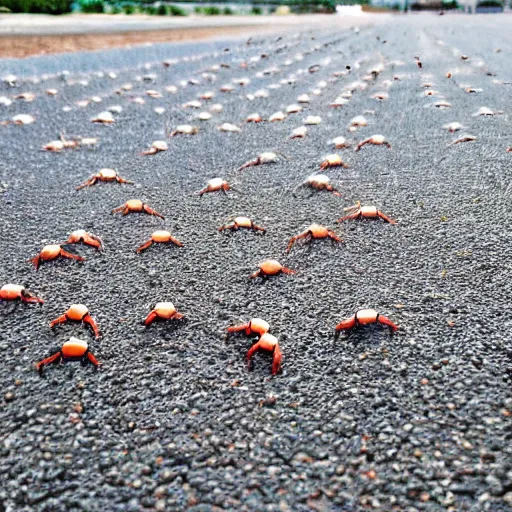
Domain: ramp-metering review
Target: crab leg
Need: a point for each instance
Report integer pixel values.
(36, 260)
(88, 183)
(332, 236)
(288, 271)
(349, 323)
(28, 297)
(385, 217)
(276, 360)
(122, 180)
(48, 360)
(70, 256)
(89, 320)
(386, 321)
(238, 328)
(92, 359)
(150, 211)
(257, 228)
(144, 246)
(250, 163)
(293, 239)
(60, 320)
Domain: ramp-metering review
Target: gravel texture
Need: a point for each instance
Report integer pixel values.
(173, 420)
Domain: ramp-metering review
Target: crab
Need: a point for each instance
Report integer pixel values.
(365, 317)
(163, 311)
(228, 127)
(368, 212)
(453, 126)
(72, 350)
(104, 118)
(82, 236)
(256, 326)
(333, 160)
(485, 111)
(315, 231)
(340, 142)
(159, 237)
(320, 182)
(312, 120)
(136, 205)
(106, 175)
(263, 158)
(156, 147)
(277, 116)
(56, 146)
(254, 118)
(357, 122)
(270, 344)
(339, 102)
(377, 140)
(271, 268)
(16, 291)
(241, 222)
(463, 138)
(184, 129)
(214, 185)
(77, 313)
(52, 252)
(299, 133)
(380, 96)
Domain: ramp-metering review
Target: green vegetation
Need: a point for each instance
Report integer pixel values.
(37, 6)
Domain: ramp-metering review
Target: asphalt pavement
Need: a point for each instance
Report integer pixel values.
(174, 420)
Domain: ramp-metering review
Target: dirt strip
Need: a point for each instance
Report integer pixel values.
(26, 46)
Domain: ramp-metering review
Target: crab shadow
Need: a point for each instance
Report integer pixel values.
(367, 336)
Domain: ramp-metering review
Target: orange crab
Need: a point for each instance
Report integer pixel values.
(82, 236)
(320, 182)
(163, 311)
(365, 317)
(159, 237)
(241, 222)
(214, 185)
(377, 140)
(263, 158)
(72, 350)
(106, 175)
(18, 292)
(270, 344)
(52, 252)
(157, 147)
(134, 206)
(368, 212)
(254, 326)
(271, 268)
(333, 161)
(314, 231)
(77, 313)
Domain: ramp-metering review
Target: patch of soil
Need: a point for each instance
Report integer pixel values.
(26, 46)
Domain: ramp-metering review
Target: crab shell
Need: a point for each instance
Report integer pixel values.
(164, 309)
(77, 312)
(107, 174)
(11, 291)
(271, 267)
(259, 326)
(160, 236)
(74, 348)
(318, 180)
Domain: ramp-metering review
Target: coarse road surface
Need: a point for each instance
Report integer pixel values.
(174, 420)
